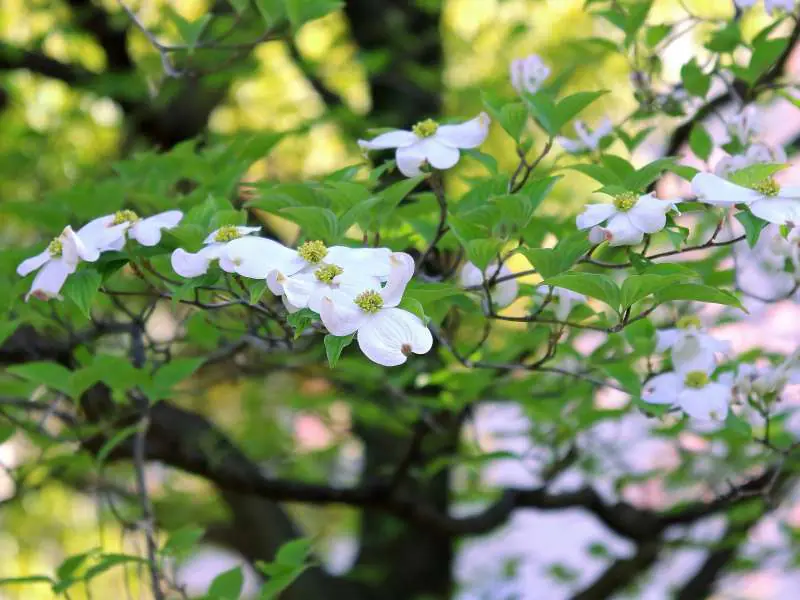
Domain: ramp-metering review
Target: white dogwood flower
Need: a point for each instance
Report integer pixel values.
(627, 218)
(429, 143)
(308, 287)
(194, 264)
(503, 292)
(256, 257)
(587, 140)
(528, 74)
(109, 232)
(767, 199)
(57, 262)
(755, 154)
(693, 392)
(387, 335)
(765, 381)
(691, 347)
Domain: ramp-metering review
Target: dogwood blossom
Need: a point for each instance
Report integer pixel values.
(194, 264)
(109, 232)
(587, 140)
(627, 218)
(755, 154)
(256, 257)
(387, 335)
(528, 74)
(57, 262)
(691, 347)
(769, 5)
(765, 381)
(429, 143)
(693, 392)
(503, 293)
(767, 200)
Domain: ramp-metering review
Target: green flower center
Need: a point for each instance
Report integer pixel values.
(327, 273)
(56, 247)
(313, 251)
(626, 201)
(689, 321)
(696, 379)
(124, 216)
(768, 187)
(227, 233)
(425, 129)
(369, 301)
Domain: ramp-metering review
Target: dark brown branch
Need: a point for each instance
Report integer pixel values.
(621, 573)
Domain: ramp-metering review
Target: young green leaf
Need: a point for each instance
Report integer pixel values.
(593, 285)
(334, 344)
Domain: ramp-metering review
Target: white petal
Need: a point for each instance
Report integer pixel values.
(649, 214)
(50, 279)
(388, 337)
(663, 389)
(666, 338)
(410, 159)
(693, 352)
(571, 146)
(777, 210)
(373, 262)
(275, 280)
(709, 403)
(242, 231)
(505, 292)
(29, 265)
(438, 155)
(467, 135)
(148, 231)
(470, 275)
(340, 315)
(594, 214)
(73, 248)
(391, 139)
(790, 191)
(103, 235)
(95, 228)
(597, 235)
(718, 191)
(620, 231)
(402, 270)
(298, 289)
(189, 264)
(255, 257)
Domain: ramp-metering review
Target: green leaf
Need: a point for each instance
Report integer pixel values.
(227, 585)
(316, 222)
(81, 288)
(71, 564)
(482, 252)
(594, 285)
(639, 181)
(700, 142)
(7, 329)
(181, 542)
(7, 430)
(413, 306)
(300, 320)
(765, 54)
(752, 226)
(621, 167)
(334, 344)
(572, 105)
(638, 287)
(625, 375)
(755, 174)
(737, 425)
(176, 371)
(694, 80)
(23, 580)
(699, 293)
(240, 6)
(190, 30)
(303, 11)
(294, 553)
(601, 174)
(543, 109)
(641, 335)
(271, 11)
(656, 34)
(115, 440)
(45, 373)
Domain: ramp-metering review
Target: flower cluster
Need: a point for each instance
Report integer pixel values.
(627, 219)
(63, 254)
(691, 386)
